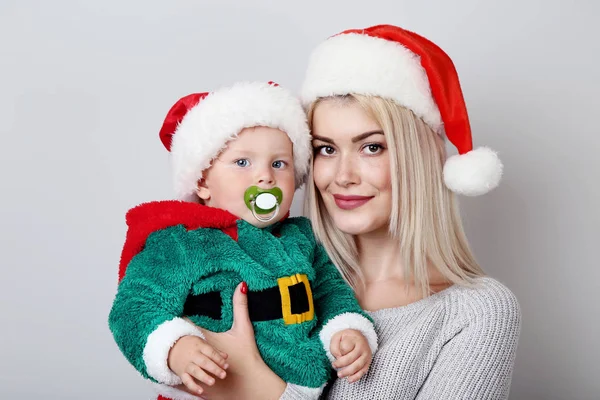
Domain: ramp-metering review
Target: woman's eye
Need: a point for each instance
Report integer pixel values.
(278, 164)
(373, 148)
(324, 150)
(242, 162)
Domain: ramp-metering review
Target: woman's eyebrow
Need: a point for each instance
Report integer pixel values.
(355, 139)
(365, 135)
(322, 139)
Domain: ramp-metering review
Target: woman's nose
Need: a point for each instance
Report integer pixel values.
(346, 174)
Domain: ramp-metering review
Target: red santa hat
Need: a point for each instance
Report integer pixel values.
(390, 62)
(198, 127)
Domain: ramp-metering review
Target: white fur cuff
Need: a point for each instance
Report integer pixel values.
(158, 345)
(348, 321)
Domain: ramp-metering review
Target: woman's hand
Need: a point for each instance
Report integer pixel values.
(247, 376)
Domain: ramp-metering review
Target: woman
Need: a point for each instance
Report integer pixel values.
(379, 102)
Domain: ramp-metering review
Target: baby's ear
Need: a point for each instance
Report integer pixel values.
(202, 190)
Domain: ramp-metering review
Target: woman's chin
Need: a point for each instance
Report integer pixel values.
(359, 226)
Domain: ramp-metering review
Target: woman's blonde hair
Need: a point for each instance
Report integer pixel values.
(424, 216)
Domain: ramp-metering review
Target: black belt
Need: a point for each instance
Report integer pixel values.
(263, 305)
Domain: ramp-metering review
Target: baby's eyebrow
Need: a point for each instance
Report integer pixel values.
(240, 153)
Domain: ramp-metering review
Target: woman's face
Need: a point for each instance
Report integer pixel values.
(352, 167)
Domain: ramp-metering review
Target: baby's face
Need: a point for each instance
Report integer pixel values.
(259, 156)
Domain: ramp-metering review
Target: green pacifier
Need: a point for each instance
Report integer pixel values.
(263, 201)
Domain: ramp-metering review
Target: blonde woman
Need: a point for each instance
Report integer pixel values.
(380, 103)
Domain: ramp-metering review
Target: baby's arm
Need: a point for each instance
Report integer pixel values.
(335, 304)
(146, 315)
(337, 308)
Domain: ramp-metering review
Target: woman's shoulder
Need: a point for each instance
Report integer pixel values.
(486, 287)
(487, 299)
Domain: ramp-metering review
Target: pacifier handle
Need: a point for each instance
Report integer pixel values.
(264, 219)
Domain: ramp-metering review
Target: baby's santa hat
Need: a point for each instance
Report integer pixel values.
(198, 127)
(390, 62)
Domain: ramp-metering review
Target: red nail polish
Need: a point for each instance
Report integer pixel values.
(244, 288)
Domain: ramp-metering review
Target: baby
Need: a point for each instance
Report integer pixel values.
(239, 154)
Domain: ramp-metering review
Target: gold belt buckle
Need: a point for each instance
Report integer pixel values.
(286, 304)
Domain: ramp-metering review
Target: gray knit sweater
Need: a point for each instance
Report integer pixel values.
(459, 343)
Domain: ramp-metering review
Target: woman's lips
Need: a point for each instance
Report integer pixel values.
(350, 202)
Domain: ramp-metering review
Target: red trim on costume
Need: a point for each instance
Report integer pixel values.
(150, 217)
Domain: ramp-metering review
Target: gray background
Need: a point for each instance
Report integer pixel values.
(85, 85)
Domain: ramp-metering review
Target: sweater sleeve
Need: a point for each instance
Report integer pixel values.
(295, 392)
(145, 318)
(335, 304)
(477, 363)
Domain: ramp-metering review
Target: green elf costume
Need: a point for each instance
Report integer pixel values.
(183, 260)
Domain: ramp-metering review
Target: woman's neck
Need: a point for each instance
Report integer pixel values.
(380, 260)
(385, 285)
(379, 256)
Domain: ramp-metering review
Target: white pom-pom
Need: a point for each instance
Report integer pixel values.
(474, 173)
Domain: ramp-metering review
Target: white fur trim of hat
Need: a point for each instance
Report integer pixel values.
(390, 62)
(198, 127)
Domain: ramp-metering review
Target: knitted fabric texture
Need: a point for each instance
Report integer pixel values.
(457, 344)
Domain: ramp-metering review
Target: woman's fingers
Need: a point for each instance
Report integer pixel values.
(241, 317)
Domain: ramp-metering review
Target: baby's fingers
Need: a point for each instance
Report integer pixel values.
(208, 365)
(191, 384)
(199, 374)
(355, 377)
(354, 367)
(213, 354)
(346, 360)
(335, 346)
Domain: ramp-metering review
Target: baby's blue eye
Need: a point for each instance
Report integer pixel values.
(242, 162)
(278, 164)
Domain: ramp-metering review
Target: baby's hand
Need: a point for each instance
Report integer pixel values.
(352, 352)
(192, 358)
